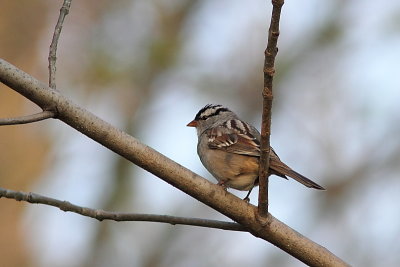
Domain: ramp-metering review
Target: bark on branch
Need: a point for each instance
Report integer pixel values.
(267, 228)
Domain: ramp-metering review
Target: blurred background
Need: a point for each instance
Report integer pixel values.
(147, 67)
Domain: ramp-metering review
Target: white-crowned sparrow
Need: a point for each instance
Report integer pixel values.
(229, 148)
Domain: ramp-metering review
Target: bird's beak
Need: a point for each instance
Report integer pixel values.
(193, 123)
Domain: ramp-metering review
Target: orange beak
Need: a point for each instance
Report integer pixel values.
(193, 123)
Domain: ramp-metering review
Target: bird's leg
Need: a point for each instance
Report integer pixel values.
(247, 199)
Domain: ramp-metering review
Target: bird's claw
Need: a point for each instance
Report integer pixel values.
(222, 184)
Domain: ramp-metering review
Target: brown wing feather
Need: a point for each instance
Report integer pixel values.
(233, 141)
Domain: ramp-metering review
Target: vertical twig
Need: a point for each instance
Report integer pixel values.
(269, 71)
(48, 112)
(53, 46)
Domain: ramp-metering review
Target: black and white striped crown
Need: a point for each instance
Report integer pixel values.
(210, 110)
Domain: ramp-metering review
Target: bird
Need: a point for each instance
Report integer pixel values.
(229, 148)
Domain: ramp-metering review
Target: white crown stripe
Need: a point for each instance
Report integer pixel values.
(209, 111)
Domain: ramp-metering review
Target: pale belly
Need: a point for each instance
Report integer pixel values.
(234, 170)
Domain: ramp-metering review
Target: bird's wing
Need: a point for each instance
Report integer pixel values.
(234, 137)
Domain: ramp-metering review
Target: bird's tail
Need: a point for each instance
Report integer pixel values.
(281, 169)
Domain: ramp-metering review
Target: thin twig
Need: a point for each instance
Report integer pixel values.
(117, 216)
(269, 71)
(52, 73)
(28, 119)
(53, 46)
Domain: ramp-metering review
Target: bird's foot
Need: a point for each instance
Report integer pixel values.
(222, 184)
